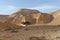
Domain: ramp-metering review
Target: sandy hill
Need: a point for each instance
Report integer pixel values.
(32, 16)
(56, 13)
(56, 20)
(22, 15)
(29, 15)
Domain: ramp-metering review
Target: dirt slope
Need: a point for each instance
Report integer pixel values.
(56, 16)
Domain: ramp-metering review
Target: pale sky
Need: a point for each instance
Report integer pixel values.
(11, 6)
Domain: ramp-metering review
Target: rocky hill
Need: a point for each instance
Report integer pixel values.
(29, 15)
(56, 16)
(19, 15)
(32, 16)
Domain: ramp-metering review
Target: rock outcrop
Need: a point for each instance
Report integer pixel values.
(56, 16)
(25, 12)
(21, 15)
(31, 16)
(45, 18)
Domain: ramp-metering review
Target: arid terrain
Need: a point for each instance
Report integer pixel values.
(36, 32)
(28, 24)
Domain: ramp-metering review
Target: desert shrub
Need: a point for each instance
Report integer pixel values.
(38, 38)
(58, 37)
(43, 38)
(8, 28)
(58, 25)
(14, 31)
(34, 38)
(11, 29)
(26, 29)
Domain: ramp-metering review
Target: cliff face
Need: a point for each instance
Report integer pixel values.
(45, 18)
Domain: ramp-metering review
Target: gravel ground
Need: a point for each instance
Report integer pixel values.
(25, 33)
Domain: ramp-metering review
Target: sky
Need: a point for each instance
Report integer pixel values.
(8, 7)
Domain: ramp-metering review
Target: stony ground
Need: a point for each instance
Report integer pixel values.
(30, 33)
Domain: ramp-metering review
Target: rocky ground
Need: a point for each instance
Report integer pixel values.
(36, 32)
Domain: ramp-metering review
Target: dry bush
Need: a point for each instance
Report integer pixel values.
(8, 28)
(38, 38)
(34, 38)
(43, 38)
(11, 29)
(14, 31)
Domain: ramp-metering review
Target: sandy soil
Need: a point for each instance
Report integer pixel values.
(24, 33)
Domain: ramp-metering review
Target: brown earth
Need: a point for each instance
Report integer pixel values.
(32, 32)
(9, 30)
(56, 20)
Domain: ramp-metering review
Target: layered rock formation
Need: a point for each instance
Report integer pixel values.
(45, 18)
(32, 16)
(56, 16)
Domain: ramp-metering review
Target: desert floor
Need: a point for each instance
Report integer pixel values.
(25, 33)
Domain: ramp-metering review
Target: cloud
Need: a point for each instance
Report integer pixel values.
(46, 8)
(9, 9)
